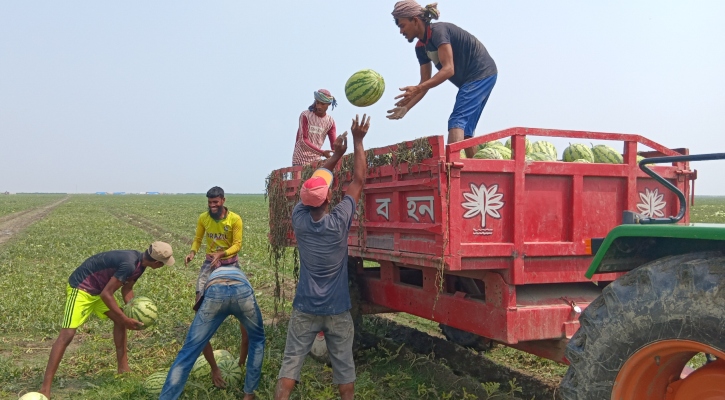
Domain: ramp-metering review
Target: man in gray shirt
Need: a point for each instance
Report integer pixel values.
(459, 58)
(322, 301)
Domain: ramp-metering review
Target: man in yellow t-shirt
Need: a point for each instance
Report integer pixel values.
(223, 232)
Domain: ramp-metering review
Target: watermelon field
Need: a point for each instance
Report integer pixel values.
(45, 237)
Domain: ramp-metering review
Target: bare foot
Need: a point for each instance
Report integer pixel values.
(45, 393)
(248, 396)
(123, 370)
(216, 378)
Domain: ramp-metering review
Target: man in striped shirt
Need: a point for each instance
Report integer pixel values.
(90, 290)
(314, 125)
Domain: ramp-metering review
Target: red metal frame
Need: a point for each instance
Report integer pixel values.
(526, 247)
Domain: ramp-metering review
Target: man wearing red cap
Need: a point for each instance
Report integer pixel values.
(322, 301)
(314, 125)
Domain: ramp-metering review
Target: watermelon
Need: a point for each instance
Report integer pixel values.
(540, 157)
(529, 148)
(231, 372)
(494, 143)
(33, 396)
(463, 153)
(155, 382)
(581, 160)
(201, 368)
(504, 151)
(578, 151)
(221, 355)
(142, 309)
(606, 155)
(364, 88)
(489, 154)
(542, 146)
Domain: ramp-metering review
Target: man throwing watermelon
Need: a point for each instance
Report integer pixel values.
(90, 290)
(459, 58)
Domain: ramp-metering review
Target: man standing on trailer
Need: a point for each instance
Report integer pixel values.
(459, 58)
(315, 124)
(223, 231)
(322, 302)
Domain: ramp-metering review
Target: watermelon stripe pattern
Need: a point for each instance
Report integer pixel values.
(231, 372)
(605, 154)
(142, 309)
(364, 88)
(542, 146)
(540, 157)
(578, 151)
(155, 382)
(489, 153)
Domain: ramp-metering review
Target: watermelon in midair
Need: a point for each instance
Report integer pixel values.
(364, 88)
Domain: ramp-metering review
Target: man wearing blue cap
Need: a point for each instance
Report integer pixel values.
(314, 125)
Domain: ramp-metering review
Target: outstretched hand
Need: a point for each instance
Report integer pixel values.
(360, 129)
(409, 92)
(397, 113)
(340, 145)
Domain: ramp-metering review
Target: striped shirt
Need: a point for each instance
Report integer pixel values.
(94, 274)
(311, 136)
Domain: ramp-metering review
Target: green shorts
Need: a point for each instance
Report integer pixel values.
(78, 307)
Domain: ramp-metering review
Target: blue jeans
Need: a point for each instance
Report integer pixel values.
(220, 301)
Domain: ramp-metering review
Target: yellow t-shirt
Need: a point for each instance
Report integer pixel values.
(224, 234)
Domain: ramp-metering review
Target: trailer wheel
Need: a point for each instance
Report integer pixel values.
(635, 340)
(466, 339)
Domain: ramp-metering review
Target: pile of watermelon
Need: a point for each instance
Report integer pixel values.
(546, 151)
(201, 372)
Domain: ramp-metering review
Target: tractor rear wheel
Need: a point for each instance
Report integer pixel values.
(635, 340)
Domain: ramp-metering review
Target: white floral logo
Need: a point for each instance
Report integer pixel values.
(652, 203)
(483, 201)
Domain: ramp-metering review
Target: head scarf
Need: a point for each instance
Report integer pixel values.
(411, 9)
(324, 96)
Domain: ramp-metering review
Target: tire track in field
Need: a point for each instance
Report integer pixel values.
(12, 224)
(152, 228)
(463, 361)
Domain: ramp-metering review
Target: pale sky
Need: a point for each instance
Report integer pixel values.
(178, 96)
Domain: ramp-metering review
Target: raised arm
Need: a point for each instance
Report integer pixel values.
(339, 148)
(360, 164)
(402, 106)
(445, 55)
